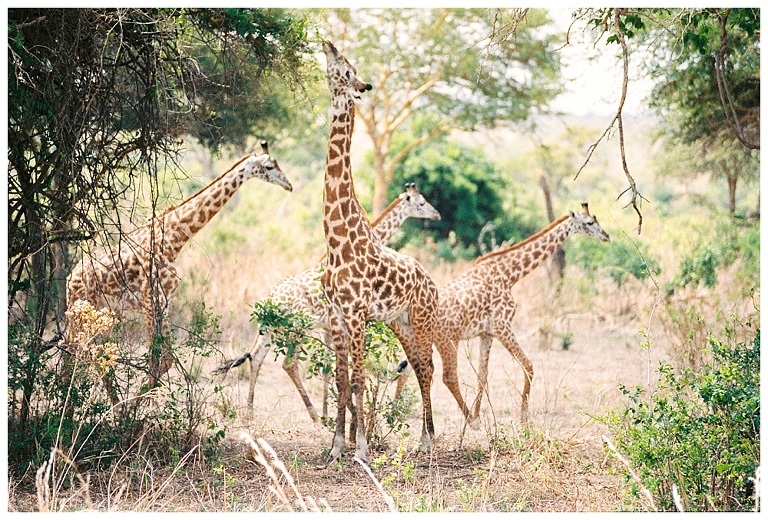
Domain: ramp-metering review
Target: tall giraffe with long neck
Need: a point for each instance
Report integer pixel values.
(303, 293)
(364, 280)
(479, 304)
(140, 271)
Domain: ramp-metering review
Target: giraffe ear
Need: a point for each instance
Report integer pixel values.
(264, 147)
(571, 213)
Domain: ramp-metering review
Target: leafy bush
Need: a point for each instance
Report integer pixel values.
(728, 242)
(291, 333)
(619, 259)
(699, 431)
(464, 186)
(72, 412)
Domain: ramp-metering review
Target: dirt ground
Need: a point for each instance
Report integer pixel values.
(556, 462)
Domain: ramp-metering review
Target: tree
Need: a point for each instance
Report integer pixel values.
(466, 188)
(98, 100)
(468, 68)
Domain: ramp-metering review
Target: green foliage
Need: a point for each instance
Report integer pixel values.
(699, 430)
(72, 412)
(729, 241)
(683, 45)
(289, 331)
(291, 334)
(465, 188)
(619, 259)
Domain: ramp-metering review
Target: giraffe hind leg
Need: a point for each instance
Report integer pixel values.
(411, 333)
(291, 367)
(482, 380)
(510, 343)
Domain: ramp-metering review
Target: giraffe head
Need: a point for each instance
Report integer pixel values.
(342, 76)
(586, 224)
(270, 171)
(416, 205)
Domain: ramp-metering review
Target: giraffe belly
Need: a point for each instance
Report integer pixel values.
(475, 328)
(381, 311)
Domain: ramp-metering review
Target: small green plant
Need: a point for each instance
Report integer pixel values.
(566, 339)
(475, 455)
(290, 330)
(698, 431)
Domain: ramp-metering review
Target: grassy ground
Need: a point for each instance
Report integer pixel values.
(556, 462)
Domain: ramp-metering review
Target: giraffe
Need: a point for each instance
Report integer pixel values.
(302, 293)
(364, 280)
(140, 271)
(478, 304)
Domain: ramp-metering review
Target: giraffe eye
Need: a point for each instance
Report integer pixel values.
(349, 75)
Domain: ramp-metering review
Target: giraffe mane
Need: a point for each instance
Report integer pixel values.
(201, 190)
(387, 211)
(522, 243)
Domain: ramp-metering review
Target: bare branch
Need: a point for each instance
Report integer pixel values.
(617, 119)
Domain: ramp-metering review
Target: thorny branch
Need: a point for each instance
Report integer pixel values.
(617, 119)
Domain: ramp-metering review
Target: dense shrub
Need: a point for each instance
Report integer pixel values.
(71, 411)
(729, 241)
(698, 431)
(619, 259)
(292, 334)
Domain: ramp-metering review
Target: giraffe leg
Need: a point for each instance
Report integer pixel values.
(448, 351)
(340, 345)
(508, 339)
(156, 315)
(357, 348)
(292, 369)
(328, 342)
(482, 380)
(417, 343)
(258, 352)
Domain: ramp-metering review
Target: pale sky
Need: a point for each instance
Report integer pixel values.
(596, 74)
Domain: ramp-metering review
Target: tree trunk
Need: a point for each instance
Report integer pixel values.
(557, 262)
(732, 181)
(380, 185)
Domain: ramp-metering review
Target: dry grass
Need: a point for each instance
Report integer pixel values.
(582, 347)
(556, 463)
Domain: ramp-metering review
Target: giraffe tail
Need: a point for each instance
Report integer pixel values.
(229, 365)
(402, 366)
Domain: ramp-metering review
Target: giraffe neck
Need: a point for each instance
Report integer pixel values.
(178, 224)
(344, 221)
(506, 266)
(389, 221)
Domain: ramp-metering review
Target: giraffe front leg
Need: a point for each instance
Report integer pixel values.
(342, 384)
(156, 305)
(357, 348)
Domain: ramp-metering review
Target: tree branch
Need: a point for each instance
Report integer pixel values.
(636, 196)
(723, 87)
